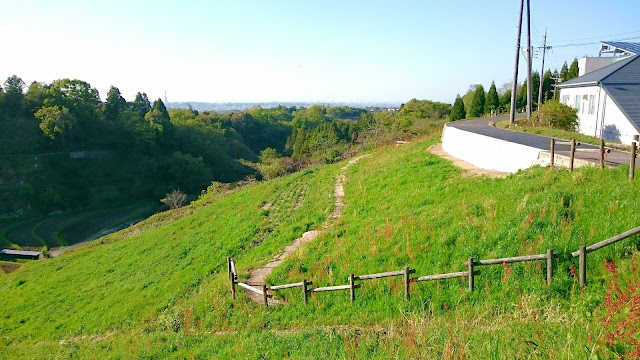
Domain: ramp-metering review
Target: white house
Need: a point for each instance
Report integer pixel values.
(607, 100)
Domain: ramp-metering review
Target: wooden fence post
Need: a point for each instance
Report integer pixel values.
(231, 279)
(406, 282)
(470, 265)
(305, 291)
(553, 152)
(573, 154)
(632, 161)
(352, 290)
(582, 265)
(602, 154)
(549, 266)
(264, 295)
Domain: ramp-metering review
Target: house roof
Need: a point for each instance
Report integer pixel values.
(627, 97)
(595, 77)
(628, 47)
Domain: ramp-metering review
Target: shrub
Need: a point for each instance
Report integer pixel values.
(175, 199)
(557, 115)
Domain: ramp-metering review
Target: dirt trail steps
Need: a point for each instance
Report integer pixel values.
(258, 276)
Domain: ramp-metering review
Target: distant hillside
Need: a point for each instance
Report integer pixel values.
(160, 289)
(226, 107)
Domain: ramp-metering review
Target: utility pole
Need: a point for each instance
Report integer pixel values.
(529, 94)
(556, 80)
(514, 86)
(544, 51)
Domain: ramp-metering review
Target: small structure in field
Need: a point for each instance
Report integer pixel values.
(9, 254)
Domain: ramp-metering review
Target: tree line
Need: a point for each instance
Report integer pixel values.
(165, 149)
(477, 102)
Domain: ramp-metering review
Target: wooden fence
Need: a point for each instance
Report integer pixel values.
(470, 273)
(602, 150)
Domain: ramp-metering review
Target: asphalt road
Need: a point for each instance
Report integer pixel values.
(481, 126)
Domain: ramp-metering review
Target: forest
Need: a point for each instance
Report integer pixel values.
(149, 150)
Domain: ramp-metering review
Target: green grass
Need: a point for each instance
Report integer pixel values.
(160, 289)
(133, 279)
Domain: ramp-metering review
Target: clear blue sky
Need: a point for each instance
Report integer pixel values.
(351, 51)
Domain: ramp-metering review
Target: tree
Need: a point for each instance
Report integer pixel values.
(458, 112)
(467, 98)
(299, 147)
(271, 164)
(175, 199)
(505, 101)
(423, 109)
(141, 104)
(477, 103)
(574, 71)
(521, 99)
(547, 86)
(535, 87)
(564, 72)
(114, 104)
(34, 97)
(492, 102)
(159, 119)
(12, 98)
(56, 122)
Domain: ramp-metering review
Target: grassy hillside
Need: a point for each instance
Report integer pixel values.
(160, 289)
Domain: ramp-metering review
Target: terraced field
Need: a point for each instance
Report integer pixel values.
(67, 228)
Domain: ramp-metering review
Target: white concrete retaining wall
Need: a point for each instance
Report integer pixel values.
(486, 152)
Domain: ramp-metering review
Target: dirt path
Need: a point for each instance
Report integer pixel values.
(258, 276)
(470, 169)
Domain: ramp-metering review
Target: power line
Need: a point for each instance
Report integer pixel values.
(594, 37)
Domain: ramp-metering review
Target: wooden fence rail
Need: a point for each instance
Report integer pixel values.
(470, 273)
(383, 275)
(601, 149)
(441, 276)
(582, 252)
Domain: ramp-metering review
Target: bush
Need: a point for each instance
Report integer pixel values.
(557, 115)
(175, 199)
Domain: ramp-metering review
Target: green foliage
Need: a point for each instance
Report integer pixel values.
(505, 101)
(547, 86)
(187, 171)
(56, 122)
(574, 70)
(557, 115)
(477, 103)
(141, 104)
(11, 99)
(424, 109)
(492, 103)
(564, 72)
(114, 104)
(271, 164)
(458, 112)
(467, 98)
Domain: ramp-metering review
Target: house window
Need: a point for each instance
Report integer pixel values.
(592, 104)
(565, 99)
(576, 103)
